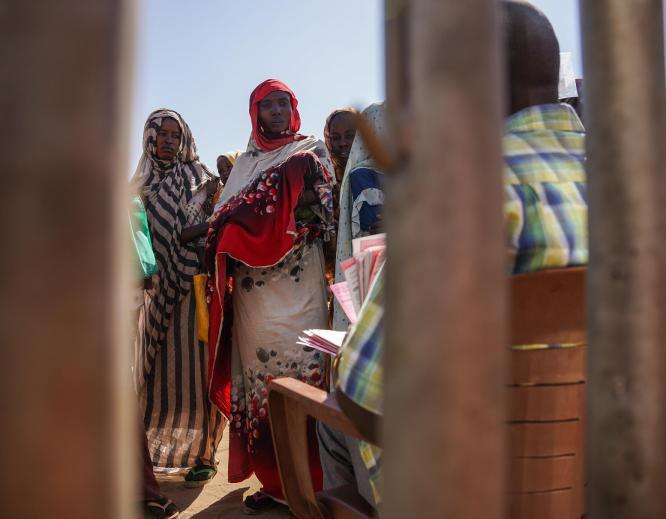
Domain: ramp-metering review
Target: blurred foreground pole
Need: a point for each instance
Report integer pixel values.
(626, 119)
(446, 344)
(69, 427)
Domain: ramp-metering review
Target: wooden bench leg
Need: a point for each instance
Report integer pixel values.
(289, 430)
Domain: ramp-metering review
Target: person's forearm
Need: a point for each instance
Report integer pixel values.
(194, 232)
(308, 198)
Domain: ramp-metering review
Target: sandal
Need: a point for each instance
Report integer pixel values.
(258, 503)
(199, 475)
(161, 508)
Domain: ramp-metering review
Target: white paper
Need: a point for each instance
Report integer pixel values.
(326, 341)
(331, 336)
(567, 87)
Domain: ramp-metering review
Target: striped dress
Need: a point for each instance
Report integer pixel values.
(182, 427)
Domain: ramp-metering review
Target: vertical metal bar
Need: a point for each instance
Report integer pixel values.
(445, 337)
(69, 419)
(626, 117)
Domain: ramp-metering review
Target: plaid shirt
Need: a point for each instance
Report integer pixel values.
(545, 207)
(545, 212)
(360, 362)
(360, 369)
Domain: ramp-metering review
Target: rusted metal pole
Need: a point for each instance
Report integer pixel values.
(626, 118)
(69, 422)
(445, 336)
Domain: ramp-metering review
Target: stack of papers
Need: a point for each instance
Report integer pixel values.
(368, 256)
(327, 341)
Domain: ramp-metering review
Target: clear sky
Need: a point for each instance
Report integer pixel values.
(204, 57)
(563, 14)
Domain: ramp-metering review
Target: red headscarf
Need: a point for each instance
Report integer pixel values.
(263, 142)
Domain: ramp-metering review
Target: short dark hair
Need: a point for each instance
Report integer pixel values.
(532, 49)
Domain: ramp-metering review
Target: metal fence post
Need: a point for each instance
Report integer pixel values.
(69, 423)
(445, 335)
(626, 118)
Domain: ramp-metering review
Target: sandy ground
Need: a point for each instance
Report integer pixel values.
(218, 499)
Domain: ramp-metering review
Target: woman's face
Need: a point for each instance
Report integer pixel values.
(342, 131)
(224, 167)
(275, 112)
(168, 139)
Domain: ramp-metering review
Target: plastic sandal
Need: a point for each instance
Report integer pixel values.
(258, 503)
(199, 475)
(161, 508)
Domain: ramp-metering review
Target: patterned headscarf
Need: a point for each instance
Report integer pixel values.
(338, 162)
(359, 157)
(168, 190)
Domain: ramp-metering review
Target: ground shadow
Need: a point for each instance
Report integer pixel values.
(178, 493)
(231, 507)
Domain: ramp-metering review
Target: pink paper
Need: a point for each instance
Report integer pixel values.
(343, 296)
(361, 244)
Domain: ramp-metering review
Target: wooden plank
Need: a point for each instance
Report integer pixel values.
(623, 48)
(546, 403)
(548, 366)
(542, 505)
(581, 471)
(542, 474)
(314, 402)
(545, 439)
(289, 431)
(548, 307)
(68, 410)
(445, 314)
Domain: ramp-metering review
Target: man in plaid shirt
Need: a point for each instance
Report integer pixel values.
(545, 212)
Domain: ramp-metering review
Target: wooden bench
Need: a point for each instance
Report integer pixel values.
(547, 395)
(545, 415)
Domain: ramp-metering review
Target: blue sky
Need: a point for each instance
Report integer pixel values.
(204, 58)
(563, 14)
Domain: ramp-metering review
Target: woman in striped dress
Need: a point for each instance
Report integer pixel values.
(183, 429)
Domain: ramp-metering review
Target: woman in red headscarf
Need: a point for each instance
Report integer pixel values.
(267, 283)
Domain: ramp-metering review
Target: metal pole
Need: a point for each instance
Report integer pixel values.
(445, 337)
(626, 116)
(69, 419)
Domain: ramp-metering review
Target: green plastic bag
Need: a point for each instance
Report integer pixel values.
(141, 237)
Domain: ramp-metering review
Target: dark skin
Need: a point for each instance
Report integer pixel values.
(533, 56)
(192, 233)
(274, 118)
(168, 139)
(167, 145)
(342, 131)
(275, 114)
(224, 167)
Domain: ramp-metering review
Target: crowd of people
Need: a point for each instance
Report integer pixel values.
(268, 234)
(264, 231)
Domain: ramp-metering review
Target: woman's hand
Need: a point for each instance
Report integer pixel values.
(308, 198)
(192, 233)
(212, 186)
